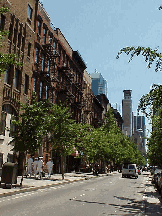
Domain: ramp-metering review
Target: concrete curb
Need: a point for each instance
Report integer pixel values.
(23, 190)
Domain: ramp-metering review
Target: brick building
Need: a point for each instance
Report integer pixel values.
(50, 67)
(16, 82)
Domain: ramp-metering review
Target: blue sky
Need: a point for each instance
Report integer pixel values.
(98, 29)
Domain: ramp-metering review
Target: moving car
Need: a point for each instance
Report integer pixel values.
(129, 170)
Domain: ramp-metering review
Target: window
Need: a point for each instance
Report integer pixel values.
(59, 52)
(48, 67)
(43, 62)
(23, 44)
(7, 76)
(63, 57)
(19, 40)
(29, 49)
(15, 36)
(16, 78)
(125, 166)
(3, 123)
(39, 27)
(10, 32)
(66, 61)
(47, 92)
(34, 84)
(44, 35)
(29, 12)
(2, 21)
(12, 126)
(37, 55)
(50, 37)
(51, 97)
(26, 84)
(55, 46)
(1, 159)
(41, 90)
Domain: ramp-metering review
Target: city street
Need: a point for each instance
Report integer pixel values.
(107, 195)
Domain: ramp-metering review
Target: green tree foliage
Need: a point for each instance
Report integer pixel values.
(62, 131)
(107, 143)
(151, 105)
(150, 55)
(30, 126)
(6, 60)
(42, 120)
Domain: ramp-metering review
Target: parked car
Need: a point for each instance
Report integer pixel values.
(155, 176)
(152, 170)
(129, 170)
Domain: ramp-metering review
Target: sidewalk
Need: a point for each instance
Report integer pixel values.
(31, 184)
(152, 199)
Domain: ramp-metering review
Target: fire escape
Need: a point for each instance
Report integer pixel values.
(50, 75)
(64, 87)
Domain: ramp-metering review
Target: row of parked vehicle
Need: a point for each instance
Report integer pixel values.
(156, 173)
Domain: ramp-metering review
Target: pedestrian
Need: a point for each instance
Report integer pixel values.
(49, 167)
(30, 163)
(35, 166)
(40, 167)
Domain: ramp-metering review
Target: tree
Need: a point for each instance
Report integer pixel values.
(121, 148)
(6, 60)
(151, 105)
(149, 54)
(106, 143)
(62, 131)
(30, 128)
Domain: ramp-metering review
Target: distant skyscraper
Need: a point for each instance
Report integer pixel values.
(127, 113)
(99, 84)
(139, 123)
(140, 132)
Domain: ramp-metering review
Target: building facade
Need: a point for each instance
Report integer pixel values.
(127, 113)
(15, 84)
(140, 132)
(50, 68)
(99, 84)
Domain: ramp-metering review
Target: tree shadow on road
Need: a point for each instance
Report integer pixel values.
(137, 207)
(132, 206)
(91, 202)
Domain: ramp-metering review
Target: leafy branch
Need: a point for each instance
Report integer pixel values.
(149, 54)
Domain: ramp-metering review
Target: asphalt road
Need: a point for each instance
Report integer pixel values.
(108, 195)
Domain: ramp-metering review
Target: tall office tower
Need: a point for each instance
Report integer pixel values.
(127, 113)
(140, 132)
(99, 84)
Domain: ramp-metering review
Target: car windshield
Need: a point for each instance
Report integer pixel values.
(131, 166)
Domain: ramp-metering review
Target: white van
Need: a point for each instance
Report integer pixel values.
(129, 170)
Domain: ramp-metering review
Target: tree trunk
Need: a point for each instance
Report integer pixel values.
(21, 165)
(62, 166)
